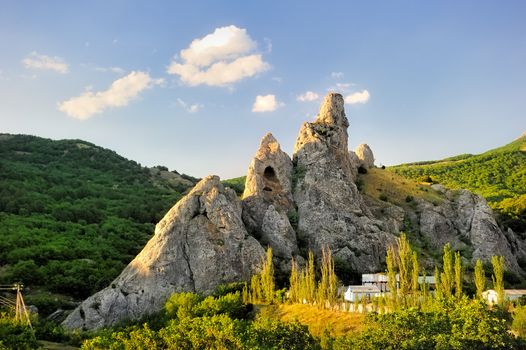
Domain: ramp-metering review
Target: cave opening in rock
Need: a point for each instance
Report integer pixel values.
(269, 173)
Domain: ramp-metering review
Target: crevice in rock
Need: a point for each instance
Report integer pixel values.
(187, 259)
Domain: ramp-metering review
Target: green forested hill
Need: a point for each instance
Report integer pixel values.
(499, 175)
(73, 214)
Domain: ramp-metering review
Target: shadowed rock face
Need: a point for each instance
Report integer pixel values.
(199, 244)
(267, 200)
(331, 210)
(464, 217)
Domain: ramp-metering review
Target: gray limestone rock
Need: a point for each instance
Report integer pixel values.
(199, 244)
(465, 221)
(331, 210)
(365, 156)
(267, 200)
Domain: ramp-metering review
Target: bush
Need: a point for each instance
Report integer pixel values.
(519, 321)
(273, 334)
(230, 304)
(15, 335)
(181, 305)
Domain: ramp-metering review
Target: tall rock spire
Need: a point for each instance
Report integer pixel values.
(331, 210)
(267, 200)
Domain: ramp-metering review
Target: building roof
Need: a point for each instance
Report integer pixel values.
(364, 289)
(507, 291)
(515, 291)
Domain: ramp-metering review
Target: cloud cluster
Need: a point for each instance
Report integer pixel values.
(266, 103)
(357, 97)
(308, 96)
(37, 61)
(219, 59)
(120, 93)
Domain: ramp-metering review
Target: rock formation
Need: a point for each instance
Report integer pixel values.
(365, 156)
(211, 237)
(199, 244)
(267, 200)
(331, 211)
(465, 221)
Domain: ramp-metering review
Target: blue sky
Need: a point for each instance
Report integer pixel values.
(177, 83)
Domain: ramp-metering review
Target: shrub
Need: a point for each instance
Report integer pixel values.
(15, 335)
(181, 305)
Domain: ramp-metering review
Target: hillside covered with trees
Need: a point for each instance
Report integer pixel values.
(73, 214)
(499, 175)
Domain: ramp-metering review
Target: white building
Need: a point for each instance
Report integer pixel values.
(380, 280)
(357, 293)
(509, 294)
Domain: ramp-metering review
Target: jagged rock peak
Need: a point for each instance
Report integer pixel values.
(332, 111)
(365, 156)
(267, 199)
(199, 244)
(269, 174)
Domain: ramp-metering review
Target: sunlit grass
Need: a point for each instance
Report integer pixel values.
(382, 183)
(337, 323)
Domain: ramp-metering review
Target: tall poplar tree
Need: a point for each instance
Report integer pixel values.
(480, 278)
(447, 276)
(458, 275)
(498, 277)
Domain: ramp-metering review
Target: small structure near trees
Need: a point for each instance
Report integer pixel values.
(491, 295)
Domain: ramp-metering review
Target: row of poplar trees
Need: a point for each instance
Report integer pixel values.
(304, 286)
(412, 290)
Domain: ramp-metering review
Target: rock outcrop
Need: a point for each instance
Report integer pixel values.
(267, 200)
(465, 221)
(365, 156)
(331, 211)
(211, 237)
(199, 244)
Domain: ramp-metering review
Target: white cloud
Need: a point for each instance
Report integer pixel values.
(37, 61)
(308, 96)
(190, 108)
(357, 97)
(219, 59)
(267, 103)
(120, 93)
(336, 75)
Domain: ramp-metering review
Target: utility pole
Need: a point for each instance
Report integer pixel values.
(20, 307)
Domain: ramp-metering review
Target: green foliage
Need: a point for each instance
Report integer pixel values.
(230, 304)
(480, 278)
(519, 321)
(16, 335)
(262, 285)
(237, 184)
(327, 291)
(207, 324)
(498, 175)
(72, 214)
(181, 305)
(276, 335)
(447, 276)
(464, 324)
(459, 277)
(498, 277)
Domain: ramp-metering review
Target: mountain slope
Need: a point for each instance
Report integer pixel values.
(499, 175)
(73, 214)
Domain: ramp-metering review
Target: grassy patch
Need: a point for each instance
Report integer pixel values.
(391, 187)
(337, 323)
